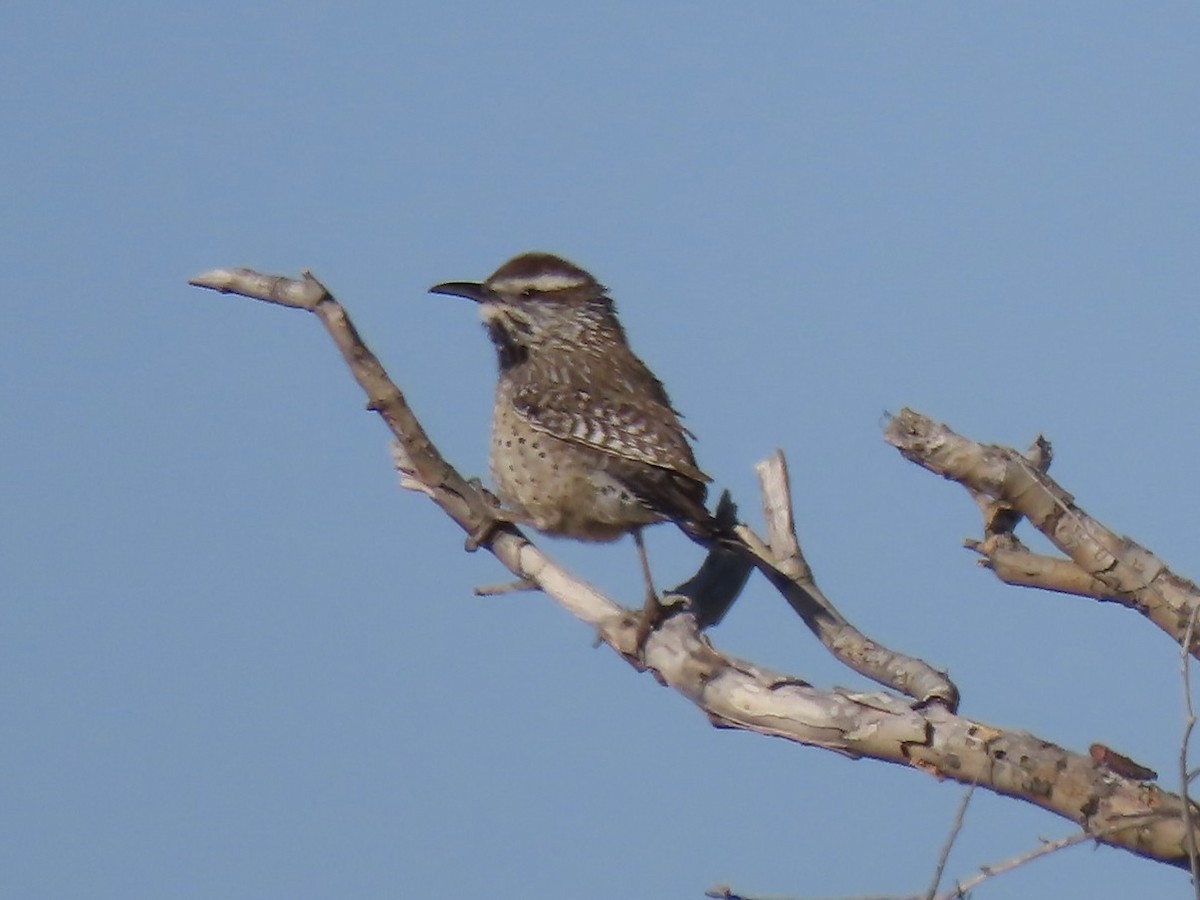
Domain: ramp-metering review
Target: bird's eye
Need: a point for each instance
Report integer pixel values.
(528, 292)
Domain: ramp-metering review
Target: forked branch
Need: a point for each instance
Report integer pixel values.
(1097, 562)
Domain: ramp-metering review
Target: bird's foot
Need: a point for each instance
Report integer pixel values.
(482, 534)
(488, 497)
(652, 615)
(495, 516)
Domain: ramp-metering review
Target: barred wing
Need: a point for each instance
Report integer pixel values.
(640, 430)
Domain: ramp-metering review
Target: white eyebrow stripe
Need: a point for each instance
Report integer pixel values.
(543, 283)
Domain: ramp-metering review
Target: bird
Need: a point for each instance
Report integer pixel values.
(585, 441)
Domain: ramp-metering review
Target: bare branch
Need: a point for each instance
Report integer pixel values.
(724, 572)
(792, 576)
(737, 694)
(1013, 563)
(304, 293)
(961, 889)
(1128, 573)
(1189, 725)
(956, 827)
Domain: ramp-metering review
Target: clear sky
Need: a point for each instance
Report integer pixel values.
(236, 661)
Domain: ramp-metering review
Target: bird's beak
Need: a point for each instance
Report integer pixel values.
(470, 289)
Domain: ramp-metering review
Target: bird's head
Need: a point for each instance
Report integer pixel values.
(536, 302)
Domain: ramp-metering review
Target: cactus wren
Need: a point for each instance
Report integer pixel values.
(585, 442)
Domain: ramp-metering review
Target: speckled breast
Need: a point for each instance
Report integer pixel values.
(563, 487)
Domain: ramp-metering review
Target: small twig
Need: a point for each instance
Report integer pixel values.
(506, 587)
(955, 828)
(1189, 832)
(960, 890)
(985, 872)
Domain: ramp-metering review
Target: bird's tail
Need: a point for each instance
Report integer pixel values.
(717, 528)
(719, 581)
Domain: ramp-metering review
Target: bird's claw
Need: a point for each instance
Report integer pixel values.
(494, 515)
(653, 614)
(482, 534)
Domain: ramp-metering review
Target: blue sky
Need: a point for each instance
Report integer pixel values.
(236, 661)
